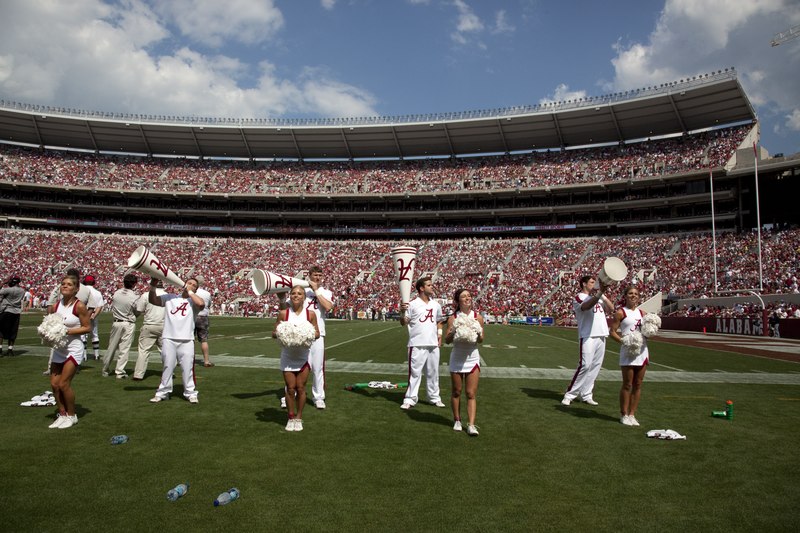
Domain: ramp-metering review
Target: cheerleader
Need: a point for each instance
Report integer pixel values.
(465, 361)
(633, 362)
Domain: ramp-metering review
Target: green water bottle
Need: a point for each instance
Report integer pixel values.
(729, 409)
(719, 414)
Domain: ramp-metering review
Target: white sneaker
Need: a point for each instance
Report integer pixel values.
(290, 425)
(457, 426)
(319, 404)
(626, 420)
(69, 422)
(633, 421)
(438, 403)
(590, 402)
(406, 406)
(46, 372)
(60, 419)
(283, 403)
(122, 376)
(157, 398)
(193, 399)
(298, 424)
(566, 401)
(472, 431)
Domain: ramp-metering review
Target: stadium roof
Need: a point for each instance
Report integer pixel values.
(706, 101)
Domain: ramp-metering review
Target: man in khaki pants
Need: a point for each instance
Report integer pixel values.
(152, 328)
(123, 309)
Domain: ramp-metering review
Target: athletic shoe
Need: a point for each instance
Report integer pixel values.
(438, 403)
(457, 426)
(46, 372)
(590, 402)
(298, 424)
(472, 431)
(104, 373)
(319, 404)
(290, 425)
(193, 399)
(122, 376)
(60, 419)
(566, 401)
(406, 406)
(157, 398)
(69, 422)
(283, 404)
(626, 420)
(633, 421)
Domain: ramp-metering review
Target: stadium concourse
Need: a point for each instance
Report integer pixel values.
(509, 276)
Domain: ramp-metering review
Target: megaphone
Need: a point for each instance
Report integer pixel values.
(264, 282)
(613, 271)
(145, 261)
(404, 258)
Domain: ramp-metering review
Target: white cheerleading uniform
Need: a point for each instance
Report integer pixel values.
(316, 354)
(592, 333)
(295, 358)
(178, 344)
(632, 321)
(74, 348)
(464, 358)
(423, 349)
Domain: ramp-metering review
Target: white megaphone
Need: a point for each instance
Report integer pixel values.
(613, 271)
(264, 282)
(145, 261)
(404, 258)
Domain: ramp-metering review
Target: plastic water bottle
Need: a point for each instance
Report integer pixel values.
(227, 497)
(119, 439)
(719, 414)
(729, 409)
(177, 492)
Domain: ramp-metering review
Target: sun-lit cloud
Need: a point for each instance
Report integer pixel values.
(501, 24)
(562, 93)
(328, 4)
(793, 120)
(467, 22)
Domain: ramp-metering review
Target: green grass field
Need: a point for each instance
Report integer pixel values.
(365, 465)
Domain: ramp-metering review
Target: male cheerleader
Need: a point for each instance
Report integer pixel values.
(590, 312)
(178, 338)
(422, 316)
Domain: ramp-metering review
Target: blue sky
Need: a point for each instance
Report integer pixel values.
(327, 58)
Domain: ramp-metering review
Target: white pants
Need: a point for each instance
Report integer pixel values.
(420, 357)
(316, 360)
(119, 340)
(175, 351)
(149, 336)
(592, 351)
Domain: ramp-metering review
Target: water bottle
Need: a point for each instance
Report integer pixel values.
(177, 492)
(729, 409)
(119, 439)
(719, 414)
(227, 497)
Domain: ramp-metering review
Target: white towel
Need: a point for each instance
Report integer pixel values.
(665, 434)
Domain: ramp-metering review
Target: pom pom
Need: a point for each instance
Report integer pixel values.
(650, 324)
(293, 335)
(466, 329)
(53, 331)
(633, 342)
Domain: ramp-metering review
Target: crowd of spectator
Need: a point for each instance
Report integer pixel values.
(537, 169)
(530, 276)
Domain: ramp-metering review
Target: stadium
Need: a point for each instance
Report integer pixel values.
(514, 204)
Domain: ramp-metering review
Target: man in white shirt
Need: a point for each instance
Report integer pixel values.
(123, 309)
(178, 338)
(95, 306)
(422, 316)
(201, 321)
(151, 331)
(590, 312)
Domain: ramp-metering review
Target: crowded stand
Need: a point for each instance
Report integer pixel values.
(537, 169)
(530, 276)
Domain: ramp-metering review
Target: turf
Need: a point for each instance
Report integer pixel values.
(363, 464)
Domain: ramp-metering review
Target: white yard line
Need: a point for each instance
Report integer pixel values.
(357, 338)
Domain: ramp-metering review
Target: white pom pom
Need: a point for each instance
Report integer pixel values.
(650, 324)
(466, 329)
(53, 331)
(633, 342)
(294, 335)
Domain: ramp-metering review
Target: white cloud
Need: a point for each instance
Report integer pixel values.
(212, 22)
(328, 4)
(694, 37)
(501, 24)
(467, 22)
(96, 56)
(562, 94)
(793, 120)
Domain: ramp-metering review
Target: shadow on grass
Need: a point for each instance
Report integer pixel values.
(80, 410)
(583, 412)
(543, 393)
(278, 393)
(272, 415)
(418, 415)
